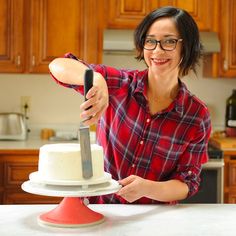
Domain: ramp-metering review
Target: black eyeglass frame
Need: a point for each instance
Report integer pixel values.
(160, 43)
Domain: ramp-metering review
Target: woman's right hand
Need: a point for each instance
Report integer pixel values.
(98, 100)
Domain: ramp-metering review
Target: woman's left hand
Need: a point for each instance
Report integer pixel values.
(133, 188)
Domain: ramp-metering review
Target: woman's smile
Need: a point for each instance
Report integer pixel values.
(159, 61)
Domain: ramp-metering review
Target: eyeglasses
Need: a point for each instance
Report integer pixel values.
(165, 44)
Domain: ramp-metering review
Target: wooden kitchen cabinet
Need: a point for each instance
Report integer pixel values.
(230, 177)
(223, 65)
(12, 56)
(228, 38)
(15, 167)
(227, 145)
(34, 32)
(126, 14)
(54, 27)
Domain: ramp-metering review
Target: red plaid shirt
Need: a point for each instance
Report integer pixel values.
(171, 144)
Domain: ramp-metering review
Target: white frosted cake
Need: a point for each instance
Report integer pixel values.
(62, 162)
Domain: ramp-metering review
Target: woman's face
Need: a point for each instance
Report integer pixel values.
(162, 62)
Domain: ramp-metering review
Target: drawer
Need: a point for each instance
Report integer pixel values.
(16, 173)
(18, 196)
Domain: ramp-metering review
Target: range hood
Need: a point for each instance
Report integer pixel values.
(122, 41)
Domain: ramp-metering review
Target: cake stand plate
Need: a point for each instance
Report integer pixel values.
(71, 212)
(111, 186)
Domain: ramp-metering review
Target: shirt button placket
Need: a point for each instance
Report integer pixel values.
(147, 122)
(141, 142)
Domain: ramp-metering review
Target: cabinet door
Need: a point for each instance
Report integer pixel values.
(203, 12)
(230, 178)
(232, 198)
(18, 172)
(228, 39)
(54, 29)
(232, 173)
(11, 35)
(126, 14)
(15, 167)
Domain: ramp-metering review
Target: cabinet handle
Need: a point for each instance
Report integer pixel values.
(33, 60)
(225, 65)
(18, 60)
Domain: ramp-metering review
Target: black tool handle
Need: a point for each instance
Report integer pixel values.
(88, 81)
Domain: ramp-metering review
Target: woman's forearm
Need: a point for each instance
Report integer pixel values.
(166, 191)
(68, 70)
(71, 71)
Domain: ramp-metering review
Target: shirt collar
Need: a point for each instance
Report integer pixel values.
(177, 105)
(142, 83)
(180, 98)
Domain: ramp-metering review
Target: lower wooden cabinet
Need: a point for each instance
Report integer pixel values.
(15, 167)
(230, 177)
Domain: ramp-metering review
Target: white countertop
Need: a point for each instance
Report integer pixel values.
(32, 143)
(35, 142)
(125, 220)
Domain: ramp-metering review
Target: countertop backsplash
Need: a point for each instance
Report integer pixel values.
(53, 106)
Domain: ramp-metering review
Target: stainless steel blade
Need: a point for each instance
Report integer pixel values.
(84, 137)
(85, 149)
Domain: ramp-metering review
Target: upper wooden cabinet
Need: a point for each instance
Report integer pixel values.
(34, 32)
(127, 14)
(12, 36)
(223, 64)
(54, 28)
(227, 59)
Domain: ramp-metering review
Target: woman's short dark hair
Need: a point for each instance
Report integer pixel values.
(187, 28)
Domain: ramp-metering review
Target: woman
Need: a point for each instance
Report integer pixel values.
(153, 130)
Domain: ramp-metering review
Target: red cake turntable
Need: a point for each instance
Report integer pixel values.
(71, 211)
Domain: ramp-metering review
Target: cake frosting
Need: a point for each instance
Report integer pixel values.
(62, 162)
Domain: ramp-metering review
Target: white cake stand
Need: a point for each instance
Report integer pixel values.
(71, 211)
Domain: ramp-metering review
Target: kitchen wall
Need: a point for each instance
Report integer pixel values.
(53, 106)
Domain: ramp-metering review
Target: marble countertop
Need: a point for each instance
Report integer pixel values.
(125, 220)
